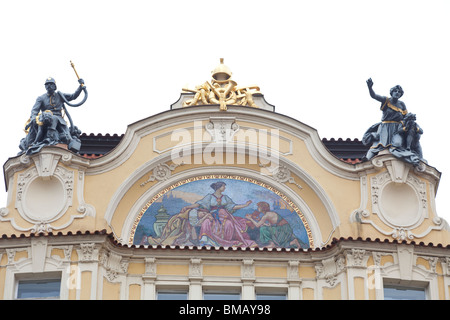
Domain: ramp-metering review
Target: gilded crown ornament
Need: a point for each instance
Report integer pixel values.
(222, 91)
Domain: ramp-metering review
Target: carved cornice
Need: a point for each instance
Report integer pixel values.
(44, 159)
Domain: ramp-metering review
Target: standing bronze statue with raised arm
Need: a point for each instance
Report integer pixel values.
(397, 132)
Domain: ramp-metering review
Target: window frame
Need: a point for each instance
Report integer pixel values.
(225, 291)
(405, 285)
(41, 276)
(260, 295)
(166, 290)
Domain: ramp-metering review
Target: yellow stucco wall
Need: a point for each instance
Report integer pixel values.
(343, 194)
(325, 185)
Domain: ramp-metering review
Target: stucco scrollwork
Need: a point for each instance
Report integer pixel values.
(150, 267)
(281, 174)
(248, 269)
(293, 274)
(357, 257)
(4, 212)
(329, 269)
(399, 199)
(195, 268)
(87, 252)
(45, 192)
(222, 129)
(114, 265)
(41, 200)
(161, 172)
(399, 205)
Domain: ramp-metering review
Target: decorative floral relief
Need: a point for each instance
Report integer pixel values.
(161, 172)
(281, 174)
(329, 269)
(114, 265)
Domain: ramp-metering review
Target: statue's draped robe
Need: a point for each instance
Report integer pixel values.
(387, 134)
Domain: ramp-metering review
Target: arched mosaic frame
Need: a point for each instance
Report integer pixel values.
(277, 232)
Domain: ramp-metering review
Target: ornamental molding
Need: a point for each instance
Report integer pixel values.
(377, 256)
(114, 265)
(150, 268)
(329, 269)
(281, 174)
(222, 129)
(357, 258)
(88, 252)
(398, 197)
(222, 133)
(45, 192)
(162, 126)
(41, 200)
(45, 161)
(248, 270)
(292, 271)
(446, 265)
(11, 254)
(161, 172)
(411, 190)
(398, 169)
(432, 261)
(67, 251)
(195, 268)
(38, 253)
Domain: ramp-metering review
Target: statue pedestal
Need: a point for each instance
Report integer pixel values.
(398, 169)
(62, 145)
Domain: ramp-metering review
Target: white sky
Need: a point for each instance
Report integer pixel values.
(311, 60)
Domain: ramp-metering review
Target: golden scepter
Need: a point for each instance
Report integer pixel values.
(73, 66)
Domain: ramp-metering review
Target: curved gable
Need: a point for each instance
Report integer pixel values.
(271, 149)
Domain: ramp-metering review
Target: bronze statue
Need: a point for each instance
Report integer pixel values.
(46, 125)
(397, 132)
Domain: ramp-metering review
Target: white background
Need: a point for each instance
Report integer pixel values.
(311, 60)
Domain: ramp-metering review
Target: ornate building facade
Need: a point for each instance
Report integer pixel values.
(221, 197)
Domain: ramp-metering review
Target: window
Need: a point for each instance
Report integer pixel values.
(38, 288)
(396, 292)
(270, 296)
(221, 295)
(172, 295)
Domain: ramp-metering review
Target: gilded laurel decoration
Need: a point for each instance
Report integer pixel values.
(222, 91)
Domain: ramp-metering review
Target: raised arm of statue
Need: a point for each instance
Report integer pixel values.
(73, 96)
(372, 93)
(70, 97)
